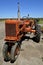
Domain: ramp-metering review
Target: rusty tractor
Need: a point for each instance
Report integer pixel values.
(15, 31)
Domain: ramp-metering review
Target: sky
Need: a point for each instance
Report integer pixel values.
(9, 8)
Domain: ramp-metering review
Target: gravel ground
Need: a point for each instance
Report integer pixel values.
(31, 53)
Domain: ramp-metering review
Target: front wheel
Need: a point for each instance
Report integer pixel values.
(14, 52)
(5, 52)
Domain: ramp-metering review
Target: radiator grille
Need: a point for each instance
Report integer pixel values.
(10, 29)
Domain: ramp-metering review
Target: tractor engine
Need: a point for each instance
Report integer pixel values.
(12, 30)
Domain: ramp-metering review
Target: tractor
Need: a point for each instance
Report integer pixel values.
(15, 33)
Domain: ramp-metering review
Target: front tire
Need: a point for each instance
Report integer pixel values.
(14, 52)
(5, 53)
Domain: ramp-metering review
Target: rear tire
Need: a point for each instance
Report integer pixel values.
(37, 36)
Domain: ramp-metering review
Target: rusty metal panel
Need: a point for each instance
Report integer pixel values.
(10, 29)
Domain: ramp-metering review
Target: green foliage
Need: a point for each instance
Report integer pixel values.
(2, 20)
(40, 21)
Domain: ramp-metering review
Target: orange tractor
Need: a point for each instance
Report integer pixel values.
(15, 31)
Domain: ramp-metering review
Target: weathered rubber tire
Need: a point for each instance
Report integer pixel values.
(37, 34)
(13, 49)
(5, 53)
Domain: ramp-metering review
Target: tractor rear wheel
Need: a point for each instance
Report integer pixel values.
(37, 36)
(15, 50)
(5, 52)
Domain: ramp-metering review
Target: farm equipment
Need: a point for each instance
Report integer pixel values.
(15, 31)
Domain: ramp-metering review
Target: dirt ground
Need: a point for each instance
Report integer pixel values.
(31, 53)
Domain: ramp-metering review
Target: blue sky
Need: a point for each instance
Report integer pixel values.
(8, 8)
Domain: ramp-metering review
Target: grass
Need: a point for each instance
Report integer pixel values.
(40, 22)
(2, 20)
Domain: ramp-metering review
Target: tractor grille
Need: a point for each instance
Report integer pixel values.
(10, 29)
